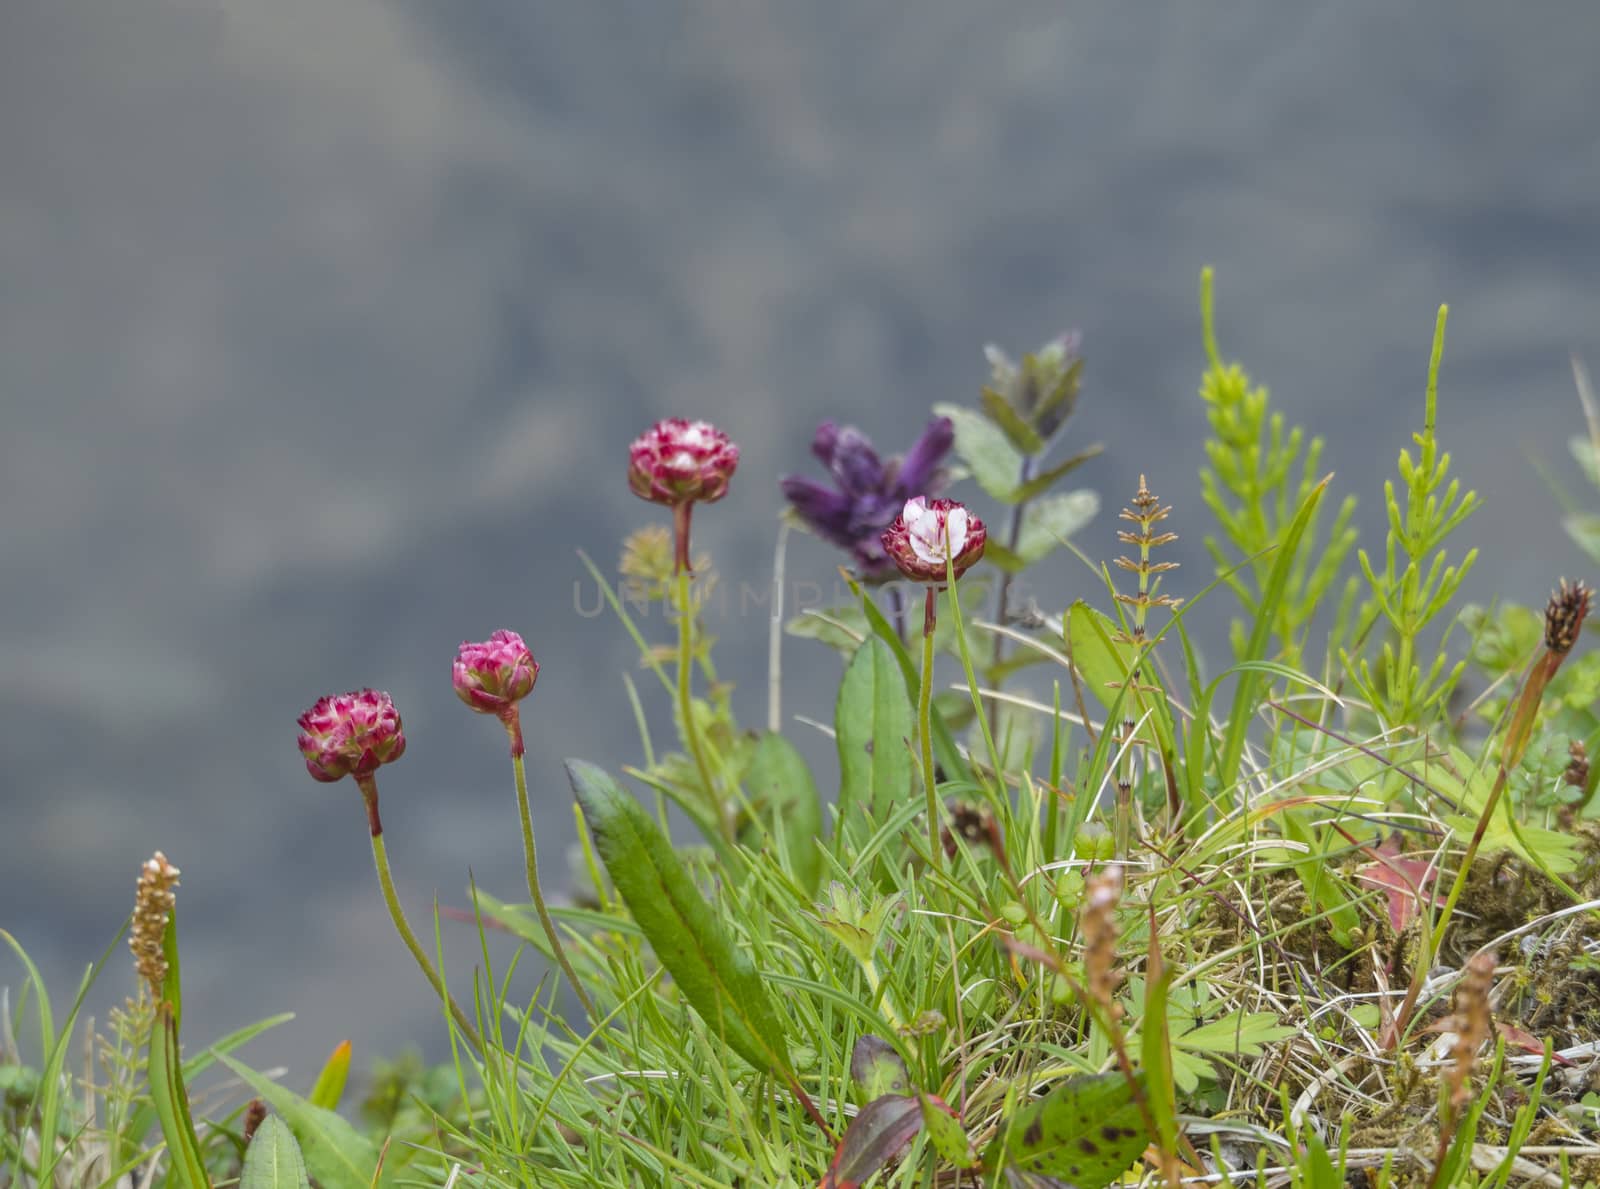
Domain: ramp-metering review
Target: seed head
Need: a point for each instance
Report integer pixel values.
(152, 908)
(1564, 616)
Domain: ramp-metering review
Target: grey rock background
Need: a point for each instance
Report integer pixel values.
(324, 325)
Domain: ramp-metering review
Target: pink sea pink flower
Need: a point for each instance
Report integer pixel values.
(351, 734)
(678, 462)
(496, 674)
(927, 532)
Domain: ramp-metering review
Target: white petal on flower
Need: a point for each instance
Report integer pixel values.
(682, 460)
(695, 436)
(956, 529)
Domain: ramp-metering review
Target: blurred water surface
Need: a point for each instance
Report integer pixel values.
(325, 324)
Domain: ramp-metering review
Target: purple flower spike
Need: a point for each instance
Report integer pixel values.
(352, 734)
(867, 492)
(495, 675)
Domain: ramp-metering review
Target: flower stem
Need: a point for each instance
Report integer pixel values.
(380, 858)
(925, 726)
(518, 767)
(691, 731)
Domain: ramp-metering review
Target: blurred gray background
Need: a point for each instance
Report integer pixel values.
(324, 326)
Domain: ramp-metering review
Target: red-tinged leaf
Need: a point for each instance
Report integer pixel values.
(1405, 881)
(876, 1136)
(1527, 1042)
(329, 1087)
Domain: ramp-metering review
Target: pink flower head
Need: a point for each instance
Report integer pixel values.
(353, 734)
(495, 675)
(678, 462)
(927, 532)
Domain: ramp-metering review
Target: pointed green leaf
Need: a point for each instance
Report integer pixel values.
(1018, 432)
(945, 1133)
(1064, 393)
(336, 1154)
(1239, 1033)
(1046, 479)
(1050, 520)
(329, 1087)
(993, 461)
(1087, 1131)
(717, 979)
(787, 807)
(873, 728)
(273, 1160)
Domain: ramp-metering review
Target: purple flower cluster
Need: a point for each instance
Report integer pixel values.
(867, 492)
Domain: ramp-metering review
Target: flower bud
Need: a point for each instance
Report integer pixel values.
(678, 462)
(927, 532)
(495, 675)
(353, 734)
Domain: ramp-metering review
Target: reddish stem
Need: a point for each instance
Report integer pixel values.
(369, 794)
(680, 535)
(511, 719)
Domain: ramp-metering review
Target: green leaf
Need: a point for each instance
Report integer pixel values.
(945, 752)
(165, 1075)
(1087, 1130)
(1049, 521)
(273, 1160)
(840, 628)
(787, 807)
(992, 459)
(329, 1086)
(1046, 479)
(945, 1132)
(336, 1154)
(718, 980)
(873, 728)
(876, 1069)
(1155, 1045)
(1018, 432)
(1239, 1033)
(1468, 785)
(1106, 663)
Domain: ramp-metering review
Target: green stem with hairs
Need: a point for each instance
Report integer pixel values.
(532, 858)
(380, 859)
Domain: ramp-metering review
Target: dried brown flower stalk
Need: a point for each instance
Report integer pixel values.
(1472, 1022)
(1098, 923)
